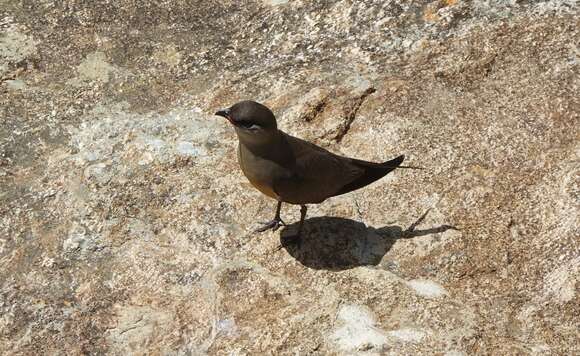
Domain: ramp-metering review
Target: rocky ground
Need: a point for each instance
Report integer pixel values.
(125, 223)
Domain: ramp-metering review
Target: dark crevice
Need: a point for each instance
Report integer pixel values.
(314, 110)
(351, 111)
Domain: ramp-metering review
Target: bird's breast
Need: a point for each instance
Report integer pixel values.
(262, 173)
(265, 189)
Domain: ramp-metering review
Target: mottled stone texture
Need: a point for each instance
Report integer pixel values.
(125, 223)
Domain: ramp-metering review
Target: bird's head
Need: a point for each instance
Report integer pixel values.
(254, 122)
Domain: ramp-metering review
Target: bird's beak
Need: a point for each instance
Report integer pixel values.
(224, 113)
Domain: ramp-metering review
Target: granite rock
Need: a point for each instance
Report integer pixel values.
(126, 225)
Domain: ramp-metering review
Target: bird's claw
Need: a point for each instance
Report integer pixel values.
(271, 225)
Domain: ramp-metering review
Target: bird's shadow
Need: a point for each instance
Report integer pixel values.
(333, 243)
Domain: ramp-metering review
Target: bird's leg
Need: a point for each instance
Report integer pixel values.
(275, 223)
(296, 239)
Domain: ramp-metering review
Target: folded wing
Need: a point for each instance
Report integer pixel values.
(319, 174)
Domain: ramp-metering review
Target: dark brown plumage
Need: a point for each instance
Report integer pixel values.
(292, 170)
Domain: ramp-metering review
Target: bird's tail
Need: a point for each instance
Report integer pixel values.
(373, 172)
(396, 163)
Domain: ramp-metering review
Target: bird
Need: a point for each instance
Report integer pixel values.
(291, 170)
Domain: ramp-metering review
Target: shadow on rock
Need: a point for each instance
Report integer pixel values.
(334, 243)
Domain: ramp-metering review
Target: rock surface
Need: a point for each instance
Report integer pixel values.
(125, 223)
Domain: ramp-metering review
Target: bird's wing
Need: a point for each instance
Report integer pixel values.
(318, 174)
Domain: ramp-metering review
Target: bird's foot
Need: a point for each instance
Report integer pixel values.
(271, 225)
